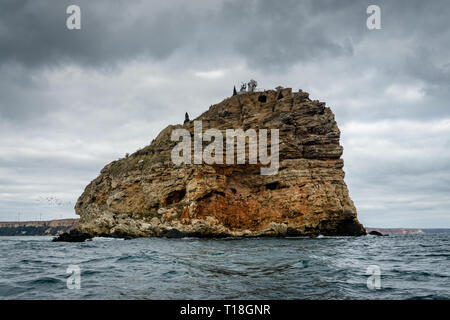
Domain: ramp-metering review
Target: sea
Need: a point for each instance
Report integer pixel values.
(368, 267)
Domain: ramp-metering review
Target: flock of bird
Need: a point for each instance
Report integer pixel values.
(53, 201)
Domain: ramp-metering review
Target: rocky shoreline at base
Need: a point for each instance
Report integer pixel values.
(78, 236)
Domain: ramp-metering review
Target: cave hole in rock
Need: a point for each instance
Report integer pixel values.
(262, 98)
(280, 96)
(273, 185)
(211, 194)
(175, 196)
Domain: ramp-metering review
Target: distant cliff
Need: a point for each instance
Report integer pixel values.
(408, 230)
(146, 194)
(37, 228)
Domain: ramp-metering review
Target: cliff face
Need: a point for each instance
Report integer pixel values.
(146, 194)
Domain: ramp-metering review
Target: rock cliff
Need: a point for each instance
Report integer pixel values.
(146, 194)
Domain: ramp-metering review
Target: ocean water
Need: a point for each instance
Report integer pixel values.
(410, 267)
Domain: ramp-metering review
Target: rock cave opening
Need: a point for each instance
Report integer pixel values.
(262, 98)
(175, 196)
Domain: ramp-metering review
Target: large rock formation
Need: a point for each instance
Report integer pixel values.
(146, 194)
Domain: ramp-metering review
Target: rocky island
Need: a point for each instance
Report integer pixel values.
(146, 194)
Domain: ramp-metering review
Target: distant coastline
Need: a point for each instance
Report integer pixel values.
(36, 228)
(55, 227)
(409, 230)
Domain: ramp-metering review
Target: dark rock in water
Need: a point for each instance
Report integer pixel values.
(376, 233)
(77, 236)
(173, 233)
(117, 236)
(73, 236)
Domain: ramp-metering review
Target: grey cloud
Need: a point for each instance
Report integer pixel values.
(14, 105)
(262, 32)
(34, 32)
(266, 34)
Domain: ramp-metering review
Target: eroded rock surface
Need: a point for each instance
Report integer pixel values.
(145, 194)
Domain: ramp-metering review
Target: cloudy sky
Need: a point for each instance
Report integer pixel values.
(73, 100)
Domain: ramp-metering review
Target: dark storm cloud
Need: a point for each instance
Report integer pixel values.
(14, 105)
(426, 69)
(271, 34)
(34, 32)
(265, 33)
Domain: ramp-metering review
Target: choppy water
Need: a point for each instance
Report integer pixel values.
(412, 267)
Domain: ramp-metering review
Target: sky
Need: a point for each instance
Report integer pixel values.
(72, 101)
